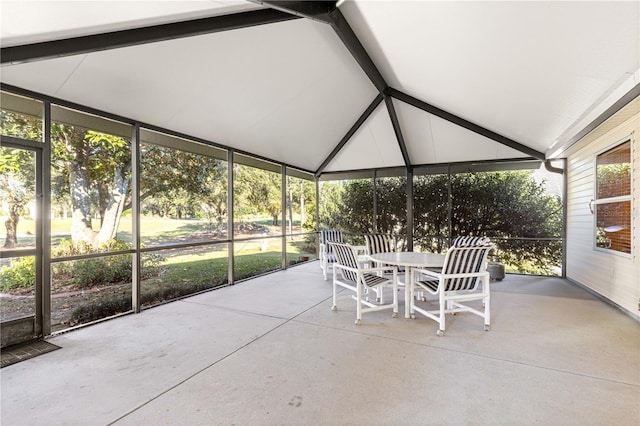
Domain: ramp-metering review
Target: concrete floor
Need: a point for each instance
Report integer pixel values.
(270, 351)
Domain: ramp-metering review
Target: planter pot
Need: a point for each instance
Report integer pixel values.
(496, 271)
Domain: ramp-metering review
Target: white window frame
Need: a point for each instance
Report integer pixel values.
(596, 202)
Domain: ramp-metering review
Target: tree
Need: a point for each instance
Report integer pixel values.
(17, 187)
(257, 191)
(391, 206)
(17, 170)
(431, 223)
(89, 157)
(510, 207)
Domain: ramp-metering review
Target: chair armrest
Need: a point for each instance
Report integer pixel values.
(446, 276)
(388, 268)
(346, 268)
(428, 272)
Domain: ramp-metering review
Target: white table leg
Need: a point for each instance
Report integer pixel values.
(407, 292)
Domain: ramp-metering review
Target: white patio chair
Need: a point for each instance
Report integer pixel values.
(464, 269)
(349, 274)
(468, 241)
(327, 257)
(461, 241)
(380, 243)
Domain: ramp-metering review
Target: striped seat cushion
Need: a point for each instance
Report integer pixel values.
(461, 260)
(330, 236)
(379, 243)
(372, 280)
(465, 260)
(346, 256)
(431, 284)
(466, 241)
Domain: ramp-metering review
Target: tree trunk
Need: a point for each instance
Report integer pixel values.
(12, 238)
(115, 205)
(103, 200)
(11, 224)
(290, 205)
(81, 204)
(302, 207)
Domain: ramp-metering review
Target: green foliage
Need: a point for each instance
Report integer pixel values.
(347, 205)
(20, 125)
(99, 271)
(257, 191)
(17, 187)
(510, 207)
(20, 273)
(100, 309)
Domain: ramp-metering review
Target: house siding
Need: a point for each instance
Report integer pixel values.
(614, 276)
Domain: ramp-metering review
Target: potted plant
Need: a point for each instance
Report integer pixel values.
(495, 268)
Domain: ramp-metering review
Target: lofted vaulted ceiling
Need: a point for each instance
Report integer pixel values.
(326, 88)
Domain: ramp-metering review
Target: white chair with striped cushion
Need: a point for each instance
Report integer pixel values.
(381, 243)
(349, 274)
(467, 241)
(327, 257)
(464, 270)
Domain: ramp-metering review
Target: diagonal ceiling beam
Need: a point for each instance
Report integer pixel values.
(350, 40)
(136, 36)
(396, 128)
(317, 10)
(327, 12)
(466, 124)
(350, 133)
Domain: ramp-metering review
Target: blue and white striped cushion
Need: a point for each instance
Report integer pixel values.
(465, 260)
(461, 260)
(466, 241)
(379, 243)
(328, 236)
(345, 256)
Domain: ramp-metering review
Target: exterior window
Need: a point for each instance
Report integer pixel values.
(613, 199)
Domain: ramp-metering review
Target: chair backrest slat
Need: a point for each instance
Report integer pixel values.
(467, 241)
(330, 235)
(380, 243)
(347, 257)
(461, 260)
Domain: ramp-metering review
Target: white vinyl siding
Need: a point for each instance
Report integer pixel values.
(614, 276)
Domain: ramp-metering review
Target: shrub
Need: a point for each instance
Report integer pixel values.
(100, 309)
(20, 273)
(98, 271)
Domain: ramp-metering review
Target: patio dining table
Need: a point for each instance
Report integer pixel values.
(410, 260)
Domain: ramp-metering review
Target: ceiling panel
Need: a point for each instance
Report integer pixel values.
(31, 21)
(431, 140)
(526, 70)
(257, 89)
(290, 91)
(374, 145)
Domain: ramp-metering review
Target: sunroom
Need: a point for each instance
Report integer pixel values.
(157, 150)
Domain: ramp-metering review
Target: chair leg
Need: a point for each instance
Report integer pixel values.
(358, 304)
(395, 299)
(324, 268)
(442, 316)
(487, 305)
(335, 293)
